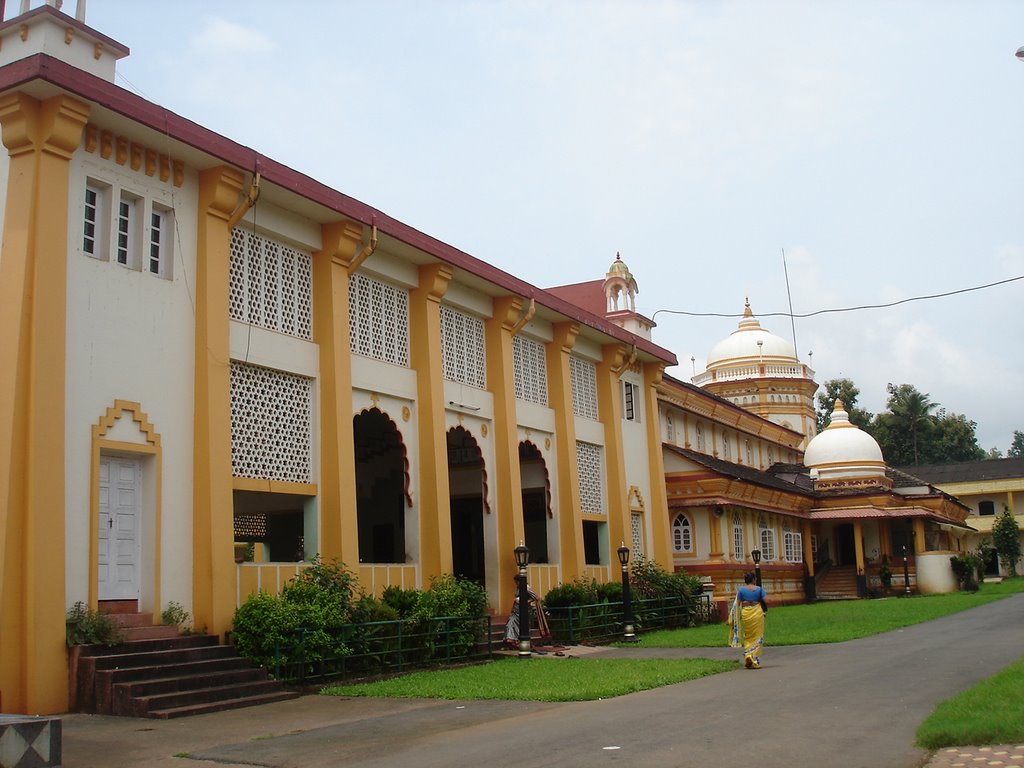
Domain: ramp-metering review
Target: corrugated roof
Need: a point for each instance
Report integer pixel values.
(968, 471)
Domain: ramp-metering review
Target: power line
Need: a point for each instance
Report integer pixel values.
(790, 314)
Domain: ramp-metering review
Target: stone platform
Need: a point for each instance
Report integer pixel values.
(30, 742)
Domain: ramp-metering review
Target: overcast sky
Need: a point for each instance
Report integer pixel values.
(880, 145)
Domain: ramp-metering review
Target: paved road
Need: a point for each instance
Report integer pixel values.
(852, 704)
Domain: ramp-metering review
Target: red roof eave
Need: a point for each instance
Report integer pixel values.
(107, 94)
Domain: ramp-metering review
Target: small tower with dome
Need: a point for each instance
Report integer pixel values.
(620, 290)
(844, 456)
(760, 372)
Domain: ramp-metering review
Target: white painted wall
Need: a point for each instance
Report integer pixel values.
(130, 337)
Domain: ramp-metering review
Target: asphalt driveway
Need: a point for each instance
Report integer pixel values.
(851, 704)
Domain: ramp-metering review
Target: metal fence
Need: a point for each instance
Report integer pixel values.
(602, 622)
(380, 648)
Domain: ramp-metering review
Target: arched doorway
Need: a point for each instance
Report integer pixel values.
(536, 501)
(466, 483)
(381, 485)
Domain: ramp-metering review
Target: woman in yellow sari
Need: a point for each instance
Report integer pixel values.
(746, 621)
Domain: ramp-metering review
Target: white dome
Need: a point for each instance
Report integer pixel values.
(844, 450)
(751, 342)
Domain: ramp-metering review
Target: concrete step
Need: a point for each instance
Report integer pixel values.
(187, 680)
(154, 632)
(142, 706)
(220, 706)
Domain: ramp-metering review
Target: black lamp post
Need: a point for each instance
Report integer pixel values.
(906, 572)
(756, 555)
(627, 600)
(523, 560)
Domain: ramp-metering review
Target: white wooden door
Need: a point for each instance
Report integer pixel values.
(119, 550)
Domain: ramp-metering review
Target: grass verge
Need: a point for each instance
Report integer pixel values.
(992, 712)
(837, 621)
(540, 679)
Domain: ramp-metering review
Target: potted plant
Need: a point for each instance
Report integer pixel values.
(885, 573)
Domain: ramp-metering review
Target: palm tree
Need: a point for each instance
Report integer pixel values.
(912, 413)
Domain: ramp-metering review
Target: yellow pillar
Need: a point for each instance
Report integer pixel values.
(657, 507)
(858, 544)
(508, 483)
(716, 554)
(339, 525)
(570, 517)
(885, 538)
(808, 547)
(40, 138)
(425, 345)
(609, 408)
(919, 542)
(213, 566)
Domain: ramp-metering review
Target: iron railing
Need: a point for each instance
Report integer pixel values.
(601, 622)
(380, 647)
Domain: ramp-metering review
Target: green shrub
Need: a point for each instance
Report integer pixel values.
(453, 596)
(649, 580)
(175, 615)
(576, 592)
(305, 621)
(450, 595)
(965, 567)
(405, 602)
(84, 626)
(610, 592)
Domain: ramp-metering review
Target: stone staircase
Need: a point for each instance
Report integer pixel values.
(840, 583)
(157, 672)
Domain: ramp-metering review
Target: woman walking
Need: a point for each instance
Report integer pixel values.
(746, 621)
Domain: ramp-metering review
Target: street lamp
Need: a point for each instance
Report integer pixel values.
(756, 555)
(906, 572)
(627, 601)
(523, 560)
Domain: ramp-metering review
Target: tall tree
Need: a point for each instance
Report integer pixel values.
(845, 390)
(906, 426)
(1017, 446)
(953, 439)
(1006, 539)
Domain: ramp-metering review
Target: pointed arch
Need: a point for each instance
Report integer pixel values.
(382, 487)
(407, 483)
(469, 449)
(529, 451)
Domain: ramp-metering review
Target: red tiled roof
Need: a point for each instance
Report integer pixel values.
(41, 67)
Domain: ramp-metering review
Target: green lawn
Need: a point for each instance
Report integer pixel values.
(836, 621)
(540, 679)
(990, 713)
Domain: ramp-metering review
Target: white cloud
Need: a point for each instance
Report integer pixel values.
(220, 38)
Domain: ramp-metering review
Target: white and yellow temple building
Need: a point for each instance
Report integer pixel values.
(214, 368)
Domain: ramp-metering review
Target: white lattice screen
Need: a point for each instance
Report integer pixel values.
(378, 320)
(531, 370)
(271, 424)
(584, 387)
(636, 531)
(588, 462)
(271, 284)
(462, 348)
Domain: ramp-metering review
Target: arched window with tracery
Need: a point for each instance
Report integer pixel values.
(766, 537)
(682, 534)
(737, 536)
